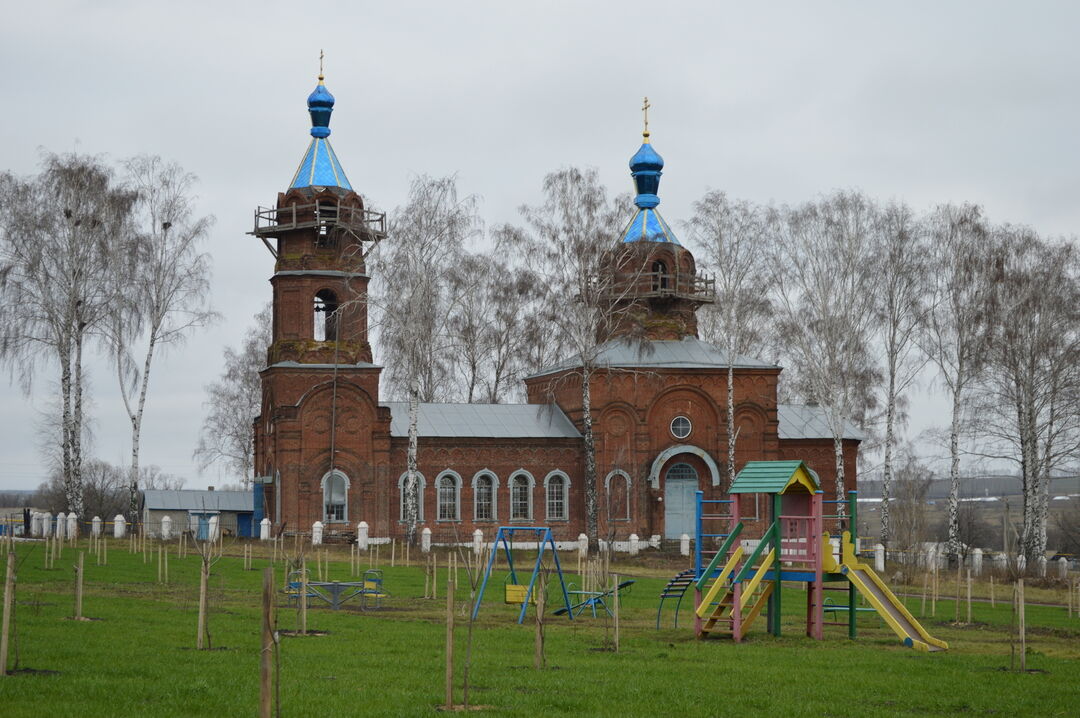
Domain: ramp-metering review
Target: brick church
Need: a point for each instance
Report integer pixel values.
(328, 448)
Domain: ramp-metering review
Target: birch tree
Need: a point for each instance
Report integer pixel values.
(824, 295)
(415, 302)
(957, 322)
(1025, 399)
(58, 279)
(901, 269)
(733, 237)
(487, 331)
(571, 246)
(233, 401)
(168, 287)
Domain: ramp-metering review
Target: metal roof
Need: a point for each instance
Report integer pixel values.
(685, 353)
(195, 500)
(767, 477)
(648, 226)
(496, 421)
(804, 421)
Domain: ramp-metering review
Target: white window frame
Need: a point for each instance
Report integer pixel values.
(455, 478)
(420, 496)
(494, 495)
(627, 482)
(689, 431)
(323, 483)
(565, 496)
(530, 484)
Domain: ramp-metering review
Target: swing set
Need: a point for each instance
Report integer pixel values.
(516, 592)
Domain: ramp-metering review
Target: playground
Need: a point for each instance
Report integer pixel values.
(139, 658)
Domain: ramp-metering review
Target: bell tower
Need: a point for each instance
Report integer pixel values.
(659, 286)
(314, 440)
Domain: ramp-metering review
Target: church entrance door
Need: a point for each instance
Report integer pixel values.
(680, 483)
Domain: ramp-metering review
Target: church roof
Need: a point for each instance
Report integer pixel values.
(807, 421)
(489, 421)
(197, 500)
(320, 166)
(646, 167)
(685, 353)
(648, 226)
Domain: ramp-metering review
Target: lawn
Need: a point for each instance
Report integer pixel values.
(138, 658)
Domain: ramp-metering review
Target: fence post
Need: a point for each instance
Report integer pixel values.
(684, 545)
(477, 542)
(879, 558)
(264, 530)
(316, 533)
(362, 535)
(425, 540)
(633, 544)
(166, 528)
(119, 526)
(976, 561)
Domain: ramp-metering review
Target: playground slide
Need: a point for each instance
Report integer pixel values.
(891, 609)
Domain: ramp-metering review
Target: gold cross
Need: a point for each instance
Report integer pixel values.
(645, 109)
(321, 64)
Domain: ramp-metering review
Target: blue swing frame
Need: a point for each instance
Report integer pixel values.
(505, 537)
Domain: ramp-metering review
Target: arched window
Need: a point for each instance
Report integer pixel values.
(326, 306)
(659, 275)
(617, 488)
(448, 492)
(485, 495)
(421, 484)
(335, 490)
(682, 471)
(557, 493)
(521, 485)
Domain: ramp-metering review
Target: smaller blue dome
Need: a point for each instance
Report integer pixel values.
(645, 167)
(646, 158)
(320, 104)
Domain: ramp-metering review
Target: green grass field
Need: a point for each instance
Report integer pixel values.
(139, 658)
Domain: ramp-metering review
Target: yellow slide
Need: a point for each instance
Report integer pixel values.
(881, 598)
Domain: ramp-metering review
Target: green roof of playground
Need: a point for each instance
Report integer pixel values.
(768, 477)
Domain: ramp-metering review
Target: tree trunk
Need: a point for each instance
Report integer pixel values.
(136, 427)
(890, 438)
(75, 493)
(64, 351)
(412, 494)
(954, 476)
(838, 456)
(730, 423)
(592, 525)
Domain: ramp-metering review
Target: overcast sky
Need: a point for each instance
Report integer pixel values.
(926, 102)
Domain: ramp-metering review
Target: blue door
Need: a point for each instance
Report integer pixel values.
(204, 527)
(243, 525)
(680, 484)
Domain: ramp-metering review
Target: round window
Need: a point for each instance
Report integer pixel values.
(680, 427)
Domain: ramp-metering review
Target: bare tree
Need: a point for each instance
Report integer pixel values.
(901, 269)
(585, 278)
(58, 279)
(167, 294)
(416, 301)
(912, 488)
(233, 402)
(957, 321)
(1026, 409)
(825, 291)
(733, 235)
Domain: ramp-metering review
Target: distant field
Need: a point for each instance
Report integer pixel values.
(139, 658)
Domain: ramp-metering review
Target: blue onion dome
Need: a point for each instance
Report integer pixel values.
(646, 166)
(320, 104)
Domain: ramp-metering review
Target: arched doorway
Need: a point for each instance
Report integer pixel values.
(680, 484)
